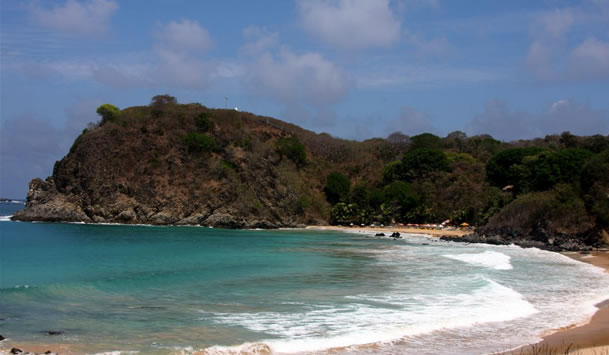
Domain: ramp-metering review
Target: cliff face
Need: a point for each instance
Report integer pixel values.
(139, 168)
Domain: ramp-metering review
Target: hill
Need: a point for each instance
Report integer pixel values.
(170, 163)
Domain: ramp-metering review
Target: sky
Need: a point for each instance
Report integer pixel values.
(356, 69)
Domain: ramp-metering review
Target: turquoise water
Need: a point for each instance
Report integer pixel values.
(184, 289)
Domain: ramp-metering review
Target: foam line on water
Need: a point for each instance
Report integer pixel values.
(491, 259)
(5, 218)
(361, 322)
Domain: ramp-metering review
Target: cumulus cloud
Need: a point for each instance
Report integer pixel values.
(259, 40)
(351, 24)
(178, 59)
(74, 17)
(184, 36)
(590, 60)
(291, 77)
(551, 55)
(504, 123)
(308, 77)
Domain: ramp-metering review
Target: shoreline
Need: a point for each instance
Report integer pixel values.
(588, 338)
(400, 229)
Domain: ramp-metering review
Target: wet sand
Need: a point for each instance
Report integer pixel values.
(587, 339)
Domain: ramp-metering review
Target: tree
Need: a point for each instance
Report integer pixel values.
(503, 168)
(391, 171)
(456, 140)
(197, 142)
(595, 185)
(203, 122)
(293, 150)
(426, 141)
(400, 199)
(337, 187)
(402, 193)
(420, 163)
(162, 100)
(108, 113)
(549, 168)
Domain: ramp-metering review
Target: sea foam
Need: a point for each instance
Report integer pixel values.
(360, 322)
(490, 259)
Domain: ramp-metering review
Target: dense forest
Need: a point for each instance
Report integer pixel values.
(170, 163)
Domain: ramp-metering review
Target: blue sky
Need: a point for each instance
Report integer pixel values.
(353, 68)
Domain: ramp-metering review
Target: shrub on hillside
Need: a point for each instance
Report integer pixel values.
(198, 142)
(337, 187)
(203, 122)
(421, 162)
(502, 169)
(292, 149)
(108, 113)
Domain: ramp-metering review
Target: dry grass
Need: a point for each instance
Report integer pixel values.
(545, 349)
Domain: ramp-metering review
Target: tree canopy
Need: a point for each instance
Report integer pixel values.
(108, 113)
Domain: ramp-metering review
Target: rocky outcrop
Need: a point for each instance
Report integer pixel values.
(139, 171)
(540, 237)
(44, 203)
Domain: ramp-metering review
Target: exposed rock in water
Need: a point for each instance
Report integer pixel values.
(54, 332)
(1, 337)
(16, 351)
(395, 235)
(540, 237)
(379, 235)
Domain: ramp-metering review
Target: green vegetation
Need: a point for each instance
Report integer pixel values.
(337, 187)
(271, 169)
(108, 113)
(197, 142)
(292, 149)
(203, 122)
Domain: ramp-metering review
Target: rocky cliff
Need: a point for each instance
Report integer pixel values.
(174, 164)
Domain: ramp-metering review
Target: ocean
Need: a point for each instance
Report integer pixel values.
(165, 290)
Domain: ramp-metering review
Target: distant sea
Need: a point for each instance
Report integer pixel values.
(187, 289)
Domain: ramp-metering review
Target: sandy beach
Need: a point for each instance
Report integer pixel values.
(400, 229)
(591, 338)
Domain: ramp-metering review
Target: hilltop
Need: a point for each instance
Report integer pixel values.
(170, 163)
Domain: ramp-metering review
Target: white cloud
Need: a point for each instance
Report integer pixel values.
(590, 60)
(177, 60)
(553, 57)
(351, 24)
(74, 17)
(184, 36)
(307, 77)
(259, 40)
